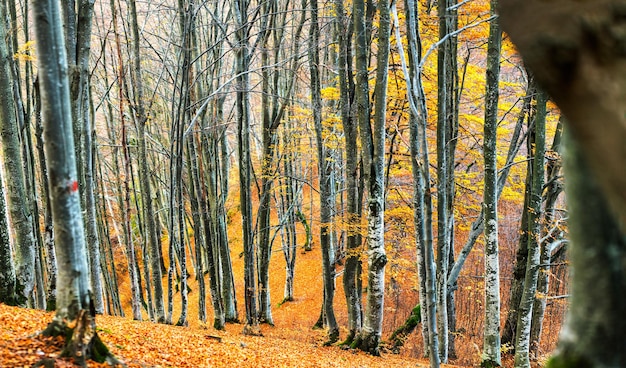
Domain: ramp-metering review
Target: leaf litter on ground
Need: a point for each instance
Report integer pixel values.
(146, 344)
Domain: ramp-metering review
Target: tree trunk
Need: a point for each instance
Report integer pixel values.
(51, 263)
(554, 187)
(74, 305)
(352, 269)
(491, 356)
(422, 197)
(240, 8)
(324, 168)
(154, 243)
(595, 319)
(370, 336)
(7, 270)
(19, 209)
(522, 334)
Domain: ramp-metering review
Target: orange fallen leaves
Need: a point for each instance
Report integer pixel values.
(145, 344)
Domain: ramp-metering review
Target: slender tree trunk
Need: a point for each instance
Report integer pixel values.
(370, 336)
(422, 198)
(521, 255)
(491, 356)
(51, 262)
(154, 243)
(324, 169)
(19, 209)
(352, 269)
(124, 190)
(240, 8)
(7, 270)
(522, 342)
(553, 190)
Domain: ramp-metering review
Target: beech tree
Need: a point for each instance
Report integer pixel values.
(7, 269)
(352, 269)
(491, 344)
(242, 60)
(373, 147)
(536, 148)
(18, 206)
(141, 119)
(75, 311)
(324, 158)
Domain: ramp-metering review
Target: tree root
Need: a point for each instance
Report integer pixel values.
(82, 342)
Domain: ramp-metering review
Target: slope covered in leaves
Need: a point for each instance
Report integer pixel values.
(144, 344)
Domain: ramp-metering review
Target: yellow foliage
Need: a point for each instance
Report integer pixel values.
(25, 52)
(330, 93)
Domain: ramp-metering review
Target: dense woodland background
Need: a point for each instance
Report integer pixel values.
(236, 160)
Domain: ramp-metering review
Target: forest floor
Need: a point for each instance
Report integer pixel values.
(144, 344)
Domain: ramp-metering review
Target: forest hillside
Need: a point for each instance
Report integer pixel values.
(309, 183)
(141, 345)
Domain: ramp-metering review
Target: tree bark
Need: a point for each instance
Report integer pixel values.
(19, 209)
(524, 318)
(240, 9)
(491, 356)
(554, 187)
(74, 305)
(352, 269)
(422, 197)
(370, 336)
(7, 270)
(141, 118)
(324, 168)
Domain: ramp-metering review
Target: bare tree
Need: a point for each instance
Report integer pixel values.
(75, 310)
(18, 206)
(491, 344)
(373, 147)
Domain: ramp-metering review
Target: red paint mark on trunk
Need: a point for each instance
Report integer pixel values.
(73, 186)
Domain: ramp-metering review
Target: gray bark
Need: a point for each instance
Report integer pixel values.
(375, 163)
(446, 126)
(522, 335)
(141, 118)
(124, 189)
(7, 269)
(18, 206)
(324, 167)
(83, 120)
(491, 356)
(554, 187)
(74, 305)
(240, 9)
(51, 262)
(352, 269)
(422, 198)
